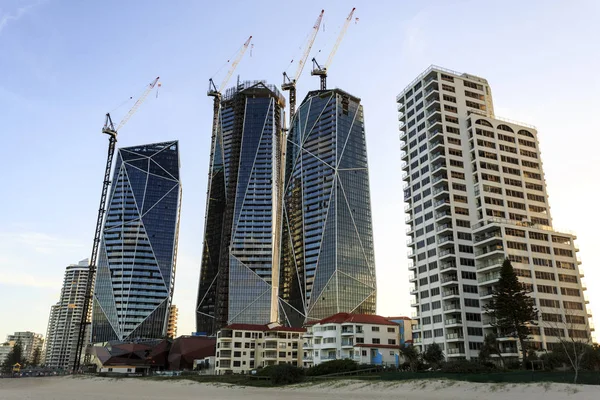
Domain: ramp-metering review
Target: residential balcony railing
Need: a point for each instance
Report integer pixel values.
(447, 279)
(454, 336)
(455, 350)
(446, 252)
(489, 277)
(450, 307)
(452, 321)
(448, 293)
(489, 249)
(496, 261)
(481, 238)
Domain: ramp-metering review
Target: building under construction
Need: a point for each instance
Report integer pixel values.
(242, 225)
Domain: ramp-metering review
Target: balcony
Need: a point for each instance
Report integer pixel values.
(411, 253)
(446, 253)
(438, 166)
(451, 293)
(454, 336)
(437, 192)
(488, 278)
(489, 251)
(414, 302)
(453, 322)
(455, 351)
(443, 215)
(452, 307)
(445, 241)
(449, 280)
(442, 204)
(496, 235)
(489, 263)
(347, 330)
(443, 227)
(437, 154)
(348, 343)
(447, 265)
(413, 289)
(416, 328)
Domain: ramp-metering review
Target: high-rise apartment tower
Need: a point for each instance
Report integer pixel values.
(327, 263)
(476, 195)
(136, 265)
(239, 274)
(65, 317)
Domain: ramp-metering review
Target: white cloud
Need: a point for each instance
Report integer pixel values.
(6, 18)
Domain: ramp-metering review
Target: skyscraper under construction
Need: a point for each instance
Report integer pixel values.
(242, 226)
(327, 263)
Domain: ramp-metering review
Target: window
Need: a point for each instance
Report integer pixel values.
(569, 292)
(461, 211)
(540, 249)
(549, 276)
(471, 331)
(435, 291)
(468, 275)
(457, 175)
(528, 153)
(514, 193)
(458, 186)
(572, 305)
(549, 303)
(391, 330)
(512, 171)
(506, 138)
(450, 108)
(538, 236)
(513, 182)
(451, 119)
(565, 265)
(507, 148)
(451, 99)
(465, 249)
(391, 341)
(437, 318)
(471, 303)
(375, 341)
(447, 78)
(426, 321)
(563, 252)
(525, 273)
(238, 334)
(374, 329)
(515, 232)
(436, 305)
(575, 319)
(547, 289)
(463, 223)
(237, 363)
(473, 317)
(438, 332)
(527, 143)
(469, 289)
(516, 245)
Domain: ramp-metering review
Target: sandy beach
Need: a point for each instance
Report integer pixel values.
(68, 388)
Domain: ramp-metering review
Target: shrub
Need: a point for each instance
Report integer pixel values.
(332, 367)
(283, 374)
(465, 367)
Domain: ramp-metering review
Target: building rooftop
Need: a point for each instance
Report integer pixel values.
(341, 318)
(262, 328)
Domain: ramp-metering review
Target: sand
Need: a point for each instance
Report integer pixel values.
(69, 388)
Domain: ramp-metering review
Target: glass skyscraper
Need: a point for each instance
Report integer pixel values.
(242, 226)
(327, 257)
(136, 265)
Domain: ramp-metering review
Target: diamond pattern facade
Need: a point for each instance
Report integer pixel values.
(243, 206)
(136, 265)
(327, 263)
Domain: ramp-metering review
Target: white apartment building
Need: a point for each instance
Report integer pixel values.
(5, 350)
(366, 339)
(65, 317)
(476, 194)
(244, 347)
(30, 343)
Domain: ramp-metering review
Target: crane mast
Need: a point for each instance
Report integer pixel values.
(321, 71)
(110, 130)
(290, 84)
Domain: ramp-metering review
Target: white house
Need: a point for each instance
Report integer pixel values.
(366, 339)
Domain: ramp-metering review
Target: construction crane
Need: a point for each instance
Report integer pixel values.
(321, 71)
(290, 84)
(110, 130)
(215, 92)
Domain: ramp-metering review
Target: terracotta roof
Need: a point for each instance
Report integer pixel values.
(341, 318)
(383, 346)
(262, 328)
(402, 318)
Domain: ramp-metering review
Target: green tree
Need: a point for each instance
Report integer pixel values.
(433, 355)
(412, 357)
(490, 346)
(14, 357)
(35, 361)
(511, 308)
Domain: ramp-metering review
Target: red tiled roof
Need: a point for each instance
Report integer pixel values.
(262, 328)
(341, 318)
(383, 346)
(403, 318)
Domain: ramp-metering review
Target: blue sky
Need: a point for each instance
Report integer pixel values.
(63, 64)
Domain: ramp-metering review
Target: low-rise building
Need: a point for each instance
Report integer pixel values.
(366, 339)
(172, 322)
(405, 325)
(244, 347)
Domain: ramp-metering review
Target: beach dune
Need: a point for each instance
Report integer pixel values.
(75, 388)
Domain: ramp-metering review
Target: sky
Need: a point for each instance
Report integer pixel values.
(64, 64)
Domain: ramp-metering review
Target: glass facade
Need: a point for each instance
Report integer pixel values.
(136, 265)
(242, 225)
(327, 257)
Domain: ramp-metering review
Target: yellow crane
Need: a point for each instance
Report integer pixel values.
(290, 84)
(321, 71)
(110, 130)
